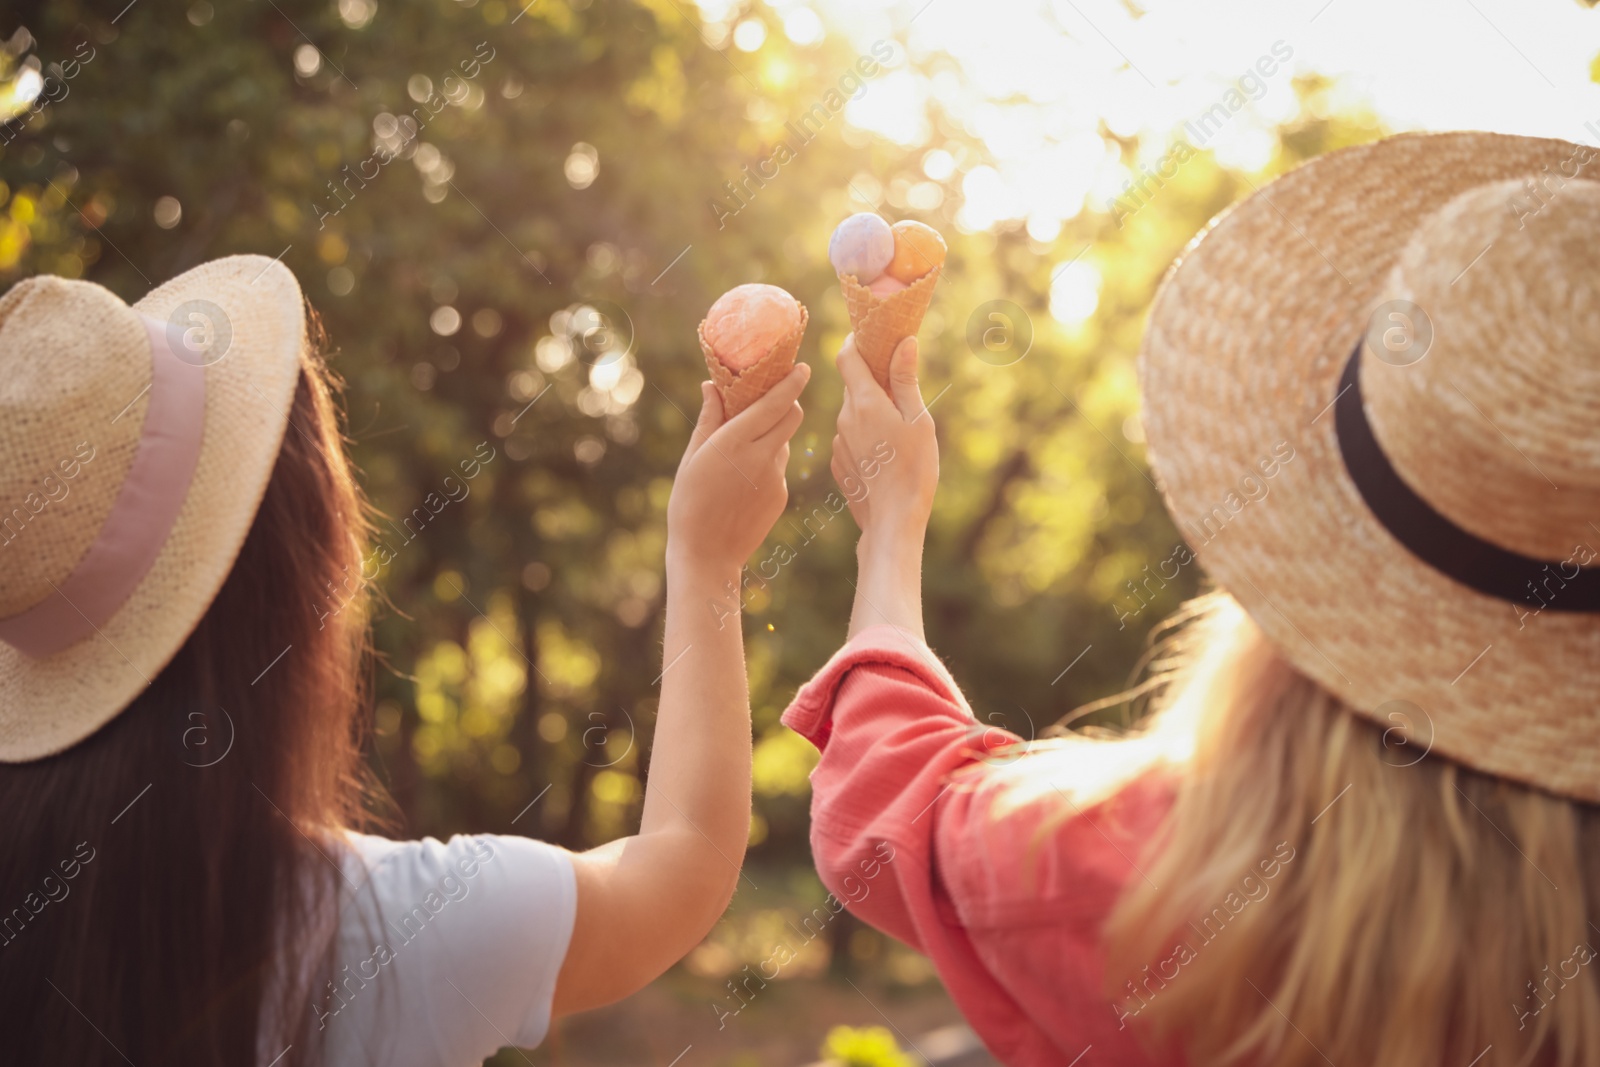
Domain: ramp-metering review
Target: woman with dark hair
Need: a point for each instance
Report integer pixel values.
(173, 515)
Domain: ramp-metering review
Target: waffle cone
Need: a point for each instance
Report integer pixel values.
(882, 322)
(740, 389)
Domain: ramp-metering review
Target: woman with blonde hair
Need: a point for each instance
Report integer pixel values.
(1359, 826)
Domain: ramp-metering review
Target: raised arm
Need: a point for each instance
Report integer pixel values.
(886, 459)
(644, 901)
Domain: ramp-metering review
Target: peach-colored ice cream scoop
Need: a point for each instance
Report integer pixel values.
(747, 321)
(749, 339)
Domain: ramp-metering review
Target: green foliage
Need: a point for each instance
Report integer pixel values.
(572, 164)
(864, 1046)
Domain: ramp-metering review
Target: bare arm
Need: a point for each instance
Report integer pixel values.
(898, 498)
(644, 901)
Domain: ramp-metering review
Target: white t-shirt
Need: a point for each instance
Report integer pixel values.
(446, 952)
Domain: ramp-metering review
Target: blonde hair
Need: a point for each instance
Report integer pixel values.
(1324, 891)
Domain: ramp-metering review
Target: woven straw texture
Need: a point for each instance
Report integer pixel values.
(1247, 340)
(880, 322)
(74, 364)
(740, 389)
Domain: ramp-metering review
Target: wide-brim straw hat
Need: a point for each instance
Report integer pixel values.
(135, 446)
(1372, 399)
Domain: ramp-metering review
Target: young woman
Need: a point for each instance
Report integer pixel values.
(181, 718)
(1360, 827)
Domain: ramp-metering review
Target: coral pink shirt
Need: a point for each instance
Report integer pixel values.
(940, 861)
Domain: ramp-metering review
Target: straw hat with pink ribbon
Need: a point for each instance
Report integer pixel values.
(1415, 324)
(135, 445)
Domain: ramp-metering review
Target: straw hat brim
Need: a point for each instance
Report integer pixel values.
(1247, 339)
(249, 391)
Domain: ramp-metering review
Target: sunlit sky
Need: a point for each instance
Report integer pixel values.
(1035, 79)
(1518, 66)
(1037, 76)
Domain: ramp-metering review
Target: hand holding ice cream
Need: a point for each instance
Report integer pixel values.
(887, 274)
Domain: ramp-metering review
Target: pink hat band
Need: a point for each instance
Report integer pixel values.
(141, 516)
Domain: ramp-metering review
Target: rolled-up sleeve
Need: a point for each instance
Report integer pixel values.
(895, 733)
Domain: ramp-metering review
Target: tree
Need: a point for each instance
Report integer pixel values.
(511, 222)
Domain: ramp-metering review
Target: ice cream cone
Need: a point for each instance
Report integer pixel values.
(740, 389)
(881, 322)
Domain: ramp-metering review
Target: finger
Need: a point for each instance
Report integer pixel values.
(710, 418)
(786, 426)
(757, 419)
(858, 380)
(903, 387)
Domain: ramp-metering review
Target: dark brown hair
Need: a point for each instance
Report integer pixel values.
(165, 883)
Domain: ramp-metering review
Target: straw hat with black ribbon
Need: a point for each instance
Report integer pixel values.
(1415, 325)
(135, 445)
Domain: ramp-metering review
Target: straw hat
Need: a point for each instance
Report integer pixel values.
(1372, 399)
(135, 445)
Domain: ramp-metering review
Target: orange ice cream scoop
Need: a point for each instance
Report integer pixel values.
(747, 321)
(918, 249)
